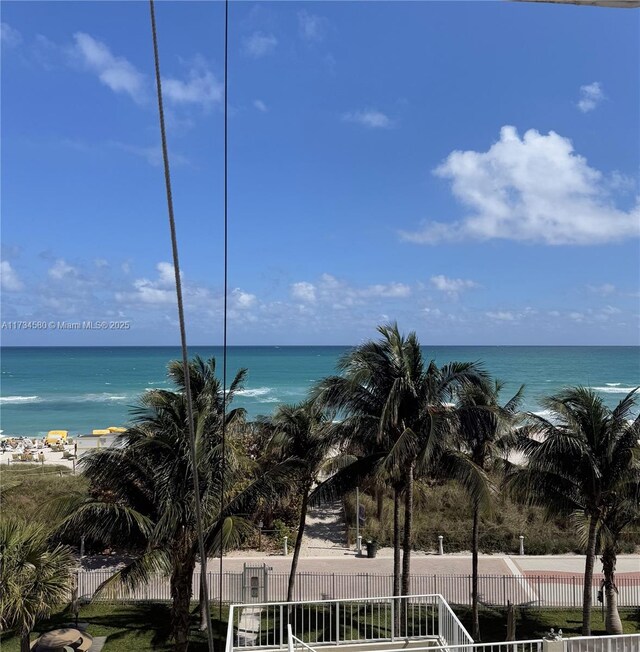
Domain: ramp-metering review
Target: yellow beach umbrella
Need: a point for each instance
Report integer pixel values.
(116, 429)
(100, 431)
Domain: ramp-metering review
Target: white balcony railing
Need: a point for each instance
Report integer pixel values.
(317, 623)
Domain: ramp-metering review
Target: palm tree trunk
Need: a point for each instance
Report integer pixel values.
(612, 617)
(396, 542)
(181, 577)
(588, 576)
(204, 619)
(406, 550)
(25, 642)
(396, 557)
(298, 546)
(475, 620)
(408, 532)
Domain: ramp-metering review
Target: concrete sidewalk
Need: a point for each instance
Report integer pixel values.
(422, 564)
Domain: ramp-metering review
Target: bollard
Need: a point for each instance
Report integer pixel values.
(521, 545)
(286, 551)
(359, 545)
(440, 548)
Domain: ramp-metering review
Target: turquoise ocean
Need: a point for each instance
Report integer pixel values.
(82, 388)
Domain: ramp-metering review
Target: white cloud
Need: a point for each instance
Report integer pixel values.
(201, 87)
(452, 286)
(502, 315)
(9, 280)
(304, 291)
(152, 154)
(312, 28)
(61, 269)
(604, 290)
(534, 189)
(259, 44)
(390, 290)
(260, 105)
(9, 36)
(371, 118)
(590, 96)
(338, 294)
(243, 300)
(160, 291)
(115, 72)
(167, 274)
(101, 263)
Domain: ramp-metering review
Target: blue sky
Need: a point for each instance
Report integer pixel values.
(468, 169)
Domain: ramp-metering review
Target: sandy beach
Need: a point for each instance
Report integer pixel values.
(79, 445)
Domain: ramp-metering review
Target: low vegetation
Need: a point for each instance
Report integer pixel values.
(442, 510)
(26, 489)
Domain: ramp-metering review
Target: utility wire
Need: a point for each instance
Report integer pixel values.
(183, 334)
(226, 268)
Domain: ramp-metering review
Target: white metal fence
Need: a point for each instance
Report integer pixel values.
(624, 643)
(344, 622)
(539, 590)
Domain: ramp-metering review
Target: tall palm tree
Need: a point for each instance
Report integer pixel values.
(481, 431)
(35, 577)
(422, 448)
(302, 432)
(587, 454)
(143, 488)
(377, 394)
(391, 401)
(623, 512)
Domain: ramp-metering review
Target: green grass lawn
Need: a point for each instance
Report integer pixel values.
(140, 627)
(128, 627)
(534, 623)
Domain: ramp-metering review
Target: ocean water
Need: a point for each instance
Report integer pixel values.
(82, 388)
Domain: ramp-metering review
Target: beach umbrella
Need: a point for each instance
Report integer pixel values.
(62, 639)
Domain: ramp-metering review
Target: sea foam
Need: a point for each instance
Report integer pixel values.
(258, 391)
(20, 399)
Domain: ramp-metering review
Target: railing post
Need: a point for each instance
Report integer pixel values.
(337, 623)
(281, 625)
(393, 620)
(289, 638)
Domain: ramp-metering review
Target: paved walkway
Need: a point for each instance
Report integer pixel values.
(425, 564)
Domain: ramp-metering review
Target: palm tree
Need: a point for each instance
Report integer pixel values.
(143, 487)
(302, 432)
(480, 429)
(623, 512)
(587, 455)
(391, 402)
(35, 577)
(377, 394)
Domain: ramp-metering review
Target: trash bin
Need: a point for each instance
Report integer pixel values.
(372, 549)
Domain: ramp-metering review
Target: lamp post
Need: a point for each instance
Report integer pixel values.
(358, 520)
